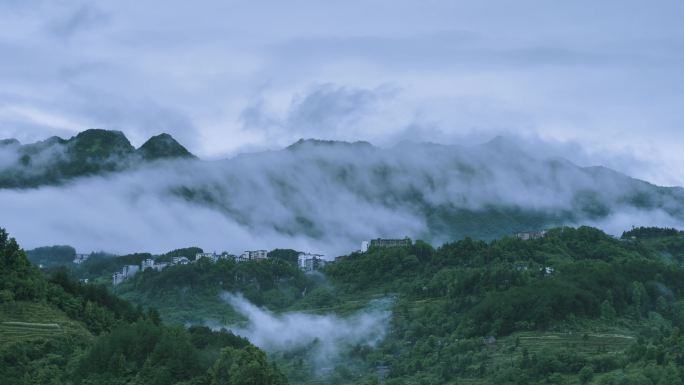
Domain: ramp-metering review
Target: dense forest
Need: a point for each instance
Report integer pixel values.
(576, 306)
(57, 331)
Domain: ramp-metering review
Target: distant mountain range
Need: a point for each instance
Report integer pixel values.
(91, 152)
(350, 191)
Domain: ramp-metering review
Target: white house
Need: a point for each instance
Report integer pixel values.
(213, 257)
(225, 255)
(130, 270)
(147, 264)
(527, 235)
(364, 246)
(117, 278)
(255, 255)
(308, 262)
(80, 258)
(126, 272)
(180, 261)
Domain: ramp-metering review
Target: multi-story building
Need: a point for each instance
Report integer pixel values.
(180, 260)
(117, 278)
(308, 262)
(80, 258)
(527, 235)
(126, 272)
(147, 264)
(385, 243)
(130, 270)
(211, 256)
(255, 255)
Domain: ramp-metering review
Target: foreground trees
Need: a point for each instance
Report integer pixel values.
(88, 336)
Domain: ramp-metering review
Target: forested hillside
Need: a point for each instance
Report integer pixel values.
(56, 331)
(91, 152)
(574, 307)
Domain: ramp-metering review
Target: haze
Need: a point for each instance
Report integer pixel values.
(598, 83)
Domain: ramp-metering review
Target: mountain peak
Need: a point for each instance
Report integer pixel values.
(9, 142)
(100, 143)
(163, 146)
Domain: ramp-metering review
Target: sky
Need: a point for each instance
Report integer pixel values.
(596, 82)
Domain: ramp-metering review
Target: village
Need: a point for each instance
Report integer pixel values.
(306, 262)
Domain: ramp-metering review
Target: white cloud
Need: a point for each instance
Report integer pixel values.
(330, 334)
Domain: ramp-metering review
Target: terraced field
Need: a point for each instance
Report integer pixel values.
(25, 321)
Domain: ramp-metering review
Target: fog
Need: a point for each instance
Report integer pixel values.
(328, 197)
(329, 335)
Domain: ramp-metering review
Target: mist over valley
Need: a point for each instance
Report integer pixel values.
(323, 196)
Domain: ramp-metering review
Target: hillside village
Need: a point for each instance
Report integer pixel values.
(306, 261)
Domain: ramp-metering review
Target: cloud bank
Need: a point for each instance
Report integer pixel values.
(330, 335)
(327, 197)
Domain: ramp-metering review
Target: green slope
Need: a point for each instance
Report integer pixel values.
(91, 152)
(471, 312)
(56, 331)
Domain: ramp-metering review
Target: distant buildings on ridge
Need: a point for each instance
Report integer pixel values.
(80, 258)
(527, 235)
(385, 243)
(310, 262)
(306, 262)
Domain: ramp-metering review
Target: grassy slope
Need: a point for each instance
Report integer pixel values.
(23, 321)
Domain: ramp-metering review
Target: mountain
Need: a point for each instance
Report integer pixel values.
(428, 191)
(163, 146)
(326, 194)
(91, 152)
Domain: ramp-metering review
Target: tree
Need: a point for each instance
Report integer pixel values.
(586, 374)
(638, 297)
(607, 311)
(245, 366)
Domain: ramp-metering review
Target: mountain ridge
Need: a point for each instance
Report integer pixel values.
(55, 160)
(334, 194)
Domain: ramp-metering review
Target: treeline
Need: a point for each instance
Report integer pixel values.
(52, 255)
(276, 282)
(123, 344)
(650, 232)
(455, 298)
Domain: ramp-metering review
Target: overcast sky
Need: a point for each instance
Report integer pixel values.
(600, 82)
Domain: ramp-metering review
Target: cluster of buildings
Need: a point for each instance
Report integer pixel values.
(306, 262)
(310, 262)
(527, 235)
(127, 272)
(385, 243)
(80, 258)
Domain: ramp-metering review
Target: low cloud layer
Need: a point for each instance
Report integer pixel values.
(328, 197)
(329, 335)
